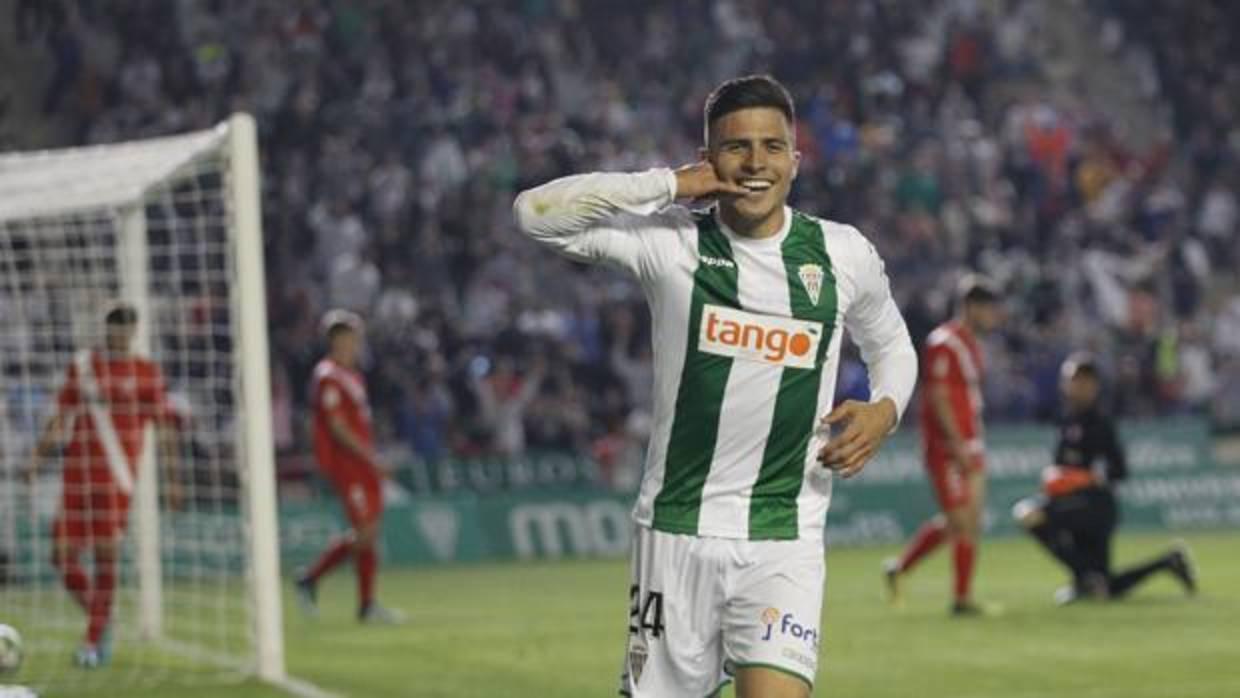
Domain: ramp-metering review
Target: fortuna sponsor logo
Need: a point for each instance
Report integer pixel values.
(717, 262)
(763, 338)
(787, 625)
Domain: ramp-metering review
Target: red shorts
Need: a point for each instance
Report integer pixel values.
(951, 485)
(362, 498)
(99, 515)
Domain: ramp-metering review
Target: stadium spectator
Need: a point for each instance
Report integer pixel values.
(394, 136)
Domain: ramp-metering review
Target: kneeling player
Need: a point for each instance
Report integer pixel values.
(344, 447)
(1075, 516)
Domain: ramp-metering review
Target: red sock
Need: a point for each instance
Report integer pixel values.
(75, 580)
(964, 553)
(928, 537)
(336, 553)
(101, 598)
(367, 564)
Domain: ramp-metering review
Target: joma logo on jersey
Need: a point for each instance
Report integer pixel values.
(717, 262)
(763, 338)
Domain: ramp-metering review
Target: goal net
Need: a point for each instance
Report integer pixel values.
(171, 227)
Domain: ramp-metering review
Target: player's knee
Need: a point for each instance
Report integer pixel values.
(62, 555)
(365, 536)
(957, 523)
(106, 550)
(1028, 513)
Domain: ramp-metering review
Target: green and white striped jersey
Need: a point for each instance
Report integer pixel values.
(746, 340)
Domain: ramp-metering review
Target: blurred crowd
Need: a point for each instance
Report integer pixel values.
(395, 135)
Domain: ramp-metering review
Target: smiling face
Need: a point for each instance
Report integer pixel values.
(754, 147)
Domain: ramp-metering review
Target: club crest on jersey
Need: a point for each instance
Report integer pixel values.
(811, 279)
(637, 661)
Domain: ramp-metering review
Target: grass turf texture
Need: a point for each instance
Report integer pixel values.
(556, 629)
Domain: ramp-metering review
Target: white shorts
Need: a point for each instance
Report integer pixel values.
(700, 608)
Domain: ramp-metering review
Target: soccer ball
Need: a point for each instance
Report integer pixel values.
(10, 649)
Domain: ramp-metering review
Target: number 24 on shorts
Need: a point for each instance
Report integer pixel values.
(645, 614)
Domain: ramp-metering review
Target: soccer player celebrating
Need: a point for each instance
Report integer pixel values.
(1076, 514)
(344, 447)
(951, 431)
(108, 398)
(749, 300)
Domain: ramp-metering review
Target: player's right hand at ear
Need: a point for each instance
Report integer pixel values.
(699, 181)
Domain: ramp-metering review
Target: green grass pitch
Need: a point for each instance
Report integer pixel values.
(547, 630)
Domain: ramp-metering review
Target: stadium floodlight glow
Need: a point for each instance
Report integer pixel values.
(170, 226)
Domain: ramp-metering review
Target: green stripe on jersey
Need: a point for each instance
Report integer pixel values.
(773, 504)
(695, 423)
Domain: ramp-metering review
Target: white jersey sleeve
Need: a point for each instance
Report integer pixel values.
(600, 217)
(876, 326)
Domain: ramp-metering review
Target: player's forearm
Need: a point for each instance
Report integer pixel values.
(889, 358)
(571, 205)
(49, 438)
(169, 451)
(893, 375)
(1117, 461)
(343, 434)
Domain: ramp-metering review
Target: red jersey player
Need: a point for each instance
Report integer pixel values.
(108, 398)
(951, 429)
(344, 447)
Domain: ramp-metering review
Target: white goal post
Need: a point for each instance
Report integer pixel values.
(172, 226)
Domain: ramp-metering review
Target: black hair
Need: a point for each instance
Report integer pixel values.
(746, 93)
(975, 288)
(338, 328)
(1081, 365)
(121, 314)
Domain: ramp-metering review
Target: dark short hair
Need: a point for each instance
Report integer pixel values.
(336, 329)
(975, 288)
(338, 321)
(746, 93)
(1081, 365)
(121, 314)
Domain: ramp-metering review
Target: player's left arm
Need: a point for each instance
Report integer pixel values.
(53, 435)
(1113, 452)
(167, 435)
(875, 324)
(56, 429)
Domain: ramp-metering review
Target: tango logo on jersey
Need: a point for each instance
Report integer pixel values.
(784, 625)
(763, 338)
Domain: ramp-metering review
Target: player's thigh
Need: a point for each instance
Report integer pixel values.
(771, 621)
(951, 486)
(69, 538)
(674, 618)
(362, 499)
